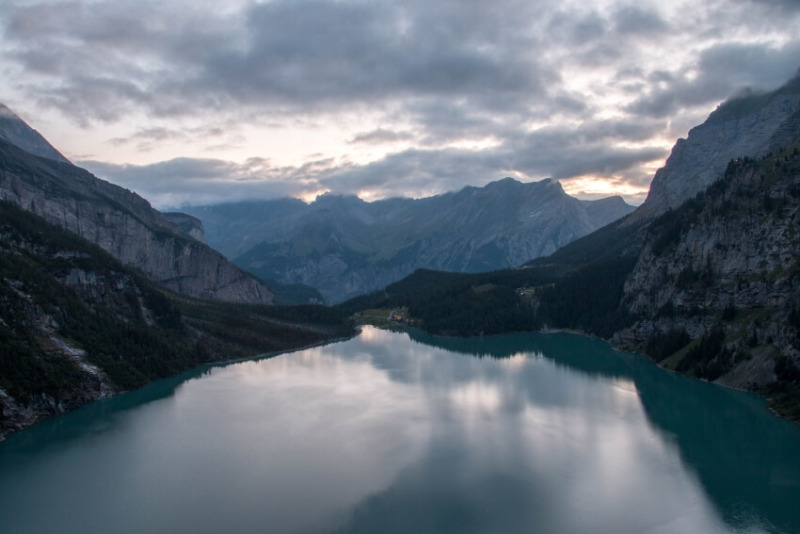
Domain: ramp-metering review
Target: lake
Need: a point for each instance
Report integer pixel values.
(405, 432)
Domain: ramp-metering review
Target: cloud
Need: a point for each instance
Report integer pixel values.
(590, 148)
(721, 71)
(639, 21)
(204, 181)
(427, 96)
(381, 135)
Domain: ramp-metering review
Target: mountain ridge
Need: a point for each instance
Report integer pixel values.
(76, 325)
(14, 130)
(345, 246)
(745, 126)
(121, 222)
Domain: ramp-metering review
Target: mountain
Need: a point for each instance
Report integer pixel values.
(746, 126)
(724, 270)
(120, 222)
(18, 133)
(749, 125)
(77, 325)
(344, 246)
(708, 285)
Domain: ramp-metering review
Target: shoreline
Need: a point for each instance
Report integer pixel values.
(767, 400)
(31, 416)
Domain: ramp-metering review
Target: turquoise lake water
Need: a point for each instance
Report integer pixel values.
(396, 432)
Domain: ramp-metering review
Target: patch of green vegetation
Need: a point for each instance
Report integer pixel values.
(382, 317)
(448, 303)
(589, 299)
(709, 358)
(662, 346)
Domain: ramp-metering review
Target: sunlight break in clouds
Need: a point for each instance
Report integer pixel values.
(380, 98)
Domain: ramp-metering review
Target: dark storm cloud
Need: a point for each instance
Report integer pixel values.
(635, 20)
(567, 153)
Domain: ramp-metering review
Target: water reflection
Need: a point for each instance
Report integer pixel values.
(746, 460)
(406, 433)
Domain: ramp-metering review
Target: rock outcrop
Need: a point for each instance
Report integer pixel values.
(746, 126)
(188, 225)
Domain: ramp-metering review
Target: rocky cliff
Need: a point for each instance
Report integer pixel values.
(344, 246)
(188, 225)
(716, 290)
(746, 126)
(123, 224)
(15, 131)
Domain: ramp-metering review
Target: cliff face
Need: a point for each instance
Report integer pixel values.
(56, 289)
(188, 225)
(344, 246)
(747, 126)
(724, 270)
(123, 224)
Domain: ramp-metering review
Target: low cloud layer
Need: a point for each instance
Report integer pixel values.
(189, 102)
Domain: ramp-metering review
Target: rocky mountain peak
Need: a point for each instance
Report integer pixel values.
(744, 126)
(17, 132)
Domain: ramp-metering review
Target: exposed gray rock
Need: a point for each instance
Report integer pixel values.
(123, 224)
(736, 247)
(15, 131)
(745, 126)
(188, 225)
(344, 246)
(89, 383)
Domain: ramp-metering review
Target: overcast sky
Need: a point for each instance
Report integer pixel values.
(185, 101)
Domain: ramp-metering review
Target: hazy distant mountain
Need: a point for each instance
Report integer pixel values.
(344, 246)
(119, 221)
(18, 133)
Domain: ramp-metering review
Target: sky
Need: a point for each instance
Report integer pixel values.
(201, 102)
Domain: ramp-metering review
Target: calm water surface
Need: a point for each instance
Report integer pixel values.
(409, 433)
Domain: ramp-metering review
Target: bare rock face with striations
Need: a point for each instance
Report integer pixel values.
(746, 126)
(123, 224)
(188, 225)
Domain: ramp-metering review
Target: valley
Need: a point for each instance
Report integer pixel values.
(704, 282)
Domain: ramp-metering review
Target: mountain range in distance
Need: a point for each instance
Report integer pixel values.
(344, 246)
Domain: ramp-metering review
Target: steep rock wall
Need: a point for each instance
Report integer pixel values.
(123, 224)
